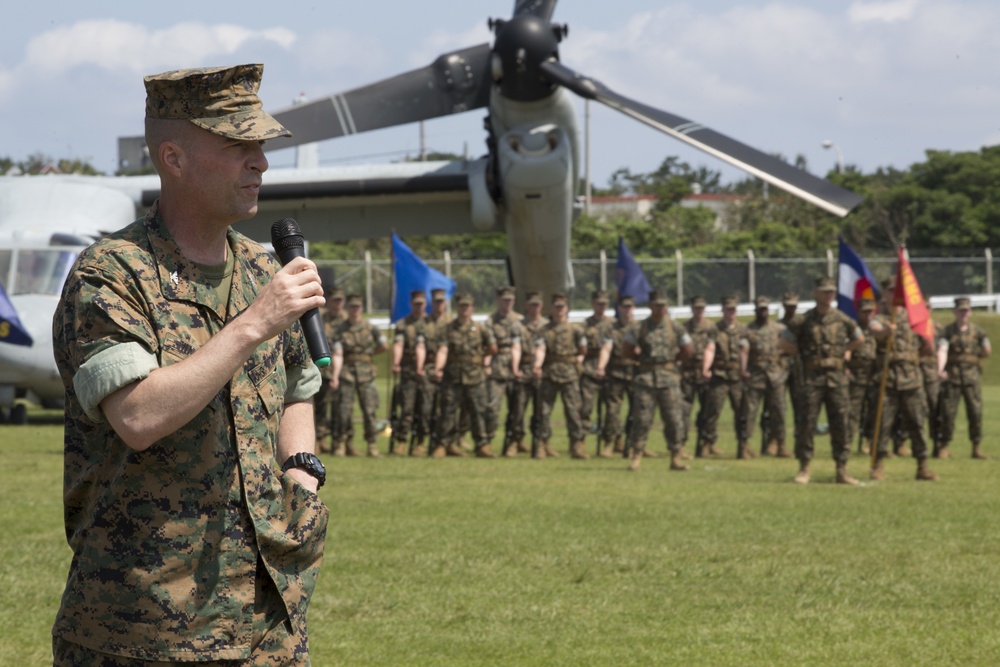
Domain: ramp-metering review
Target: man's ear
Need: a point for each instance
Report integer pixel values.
(171, 157)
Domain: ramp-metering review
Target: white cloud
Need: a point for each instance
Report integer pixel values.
(883, 12)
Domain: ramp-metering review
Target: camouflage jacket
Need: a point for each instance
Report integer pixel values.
(598, 332)
(433, 336)
(506, 331)
(411, 331)
(964, 365)
(468, 346)
(904, 358)
(928, 362)
(700, 335)
(726, 364)
(863, 364)
(620, 366)
(822, 339)
(166, 541)
(657, 348)
(357, 343)
(563, 342)
(330, 322)
(531, 332)
(764, 362)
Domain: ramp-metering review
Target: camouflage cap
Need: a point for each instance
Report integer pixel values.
(505, 292)
(729, 301)
(698, 302)
(464, 299)
(355, 300)
(789, 299)
(963, 303)
(626, 301)
(558, 296)
(866, 305)
(222, 100)
(533, 297)
(439, 294)
(657, 298)
(418, 295)
(334, 292)
(826, 284)
(600, 296)
(761, 302)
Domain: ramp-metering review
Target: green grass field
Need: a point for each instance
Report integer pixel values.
(559, 562)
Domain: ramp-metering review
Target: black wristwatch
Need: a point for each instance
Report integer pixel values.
(308, 462)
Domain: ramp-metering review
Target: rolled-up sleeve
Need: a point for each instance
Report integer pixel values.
(108, 371)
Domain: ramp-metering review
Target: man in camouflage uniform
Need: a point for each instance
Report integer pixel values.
(326, 398)
(463, 361)
(821, 342)
(506, 365)
(961, 351)
(409, 360)
(765, 375)
(190, 479)
(722, 360)
(694, 382)
(525, 390)
(657, 343)
(932, 386)
(864, 375)
(559, 351)
(796, 380)
(434, 326)
(904, 389)
(355, 342)
(618, 370)
(597, 329)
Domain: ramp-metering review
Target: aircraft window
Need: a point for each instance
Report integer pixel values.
(42, 271)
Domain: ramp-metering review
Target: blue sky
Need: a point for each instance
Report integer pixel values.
(884, 80)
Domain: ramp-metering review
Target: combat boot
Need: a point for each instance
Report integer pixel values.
(540, 451)
(323, 446)
(606, 451)
(373, 451)
(454, 449)
(977, 452)
(941, 450)
(510, 451)
(438, 451)
(743, 451)
(484, 451)
(803, 475)
(339, 449)
(399, 448)
(771, 449)
(903, 450)
(636, 461)
(714, 451)
(864, 447)
(619, 444)
(878, 470)
(522, 448)
(925, 474)
(782, 453)
(699, 450)
(684, 454)
(418, 449)
(349, 449)
(464, 445)
(549, 452)
(649, 454)
(843, 477)
(576, 450)
(677, 462)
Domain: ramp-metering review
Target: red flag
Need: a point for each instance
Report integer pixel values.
(908, 295)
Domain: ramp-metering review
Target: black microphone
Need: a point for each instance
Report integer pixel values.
(288, 242)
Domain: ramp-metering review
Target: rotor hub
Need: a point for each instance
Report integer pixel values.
(522, 44)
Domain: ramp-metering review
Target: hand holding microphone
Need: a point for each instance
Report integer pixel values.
(288, 242)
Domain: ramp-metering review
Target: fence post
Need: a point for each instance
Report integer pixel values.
(447, 263)
(829, 263)
(989, 274)
(751, 275)
(368, 281)
(604, 270)
(680, 276)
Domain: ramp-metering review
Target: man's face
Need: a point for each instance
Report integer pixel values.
(533, 308)
(763, 313)
(505, 303)
(729, 314)
(223, 175)
(599, 307)
(824, 297)
(438, 306)
(865, 317)
(626, 312)
(335, 304)
(354, 311)
(464, 310)
(658, 311)
(790, 309)
(962, 315)
(417, 306)
(698, 312)
(559, 310)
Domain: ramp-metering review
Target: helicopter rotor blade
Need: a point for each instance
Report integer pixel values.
(543, 9)
(798, 182)
(455, 82)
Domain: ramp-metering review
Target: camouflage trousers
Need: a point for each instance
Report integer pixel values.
(590, 395)
(417, 401)
(692, 391)
(460, 401)
(863, 398)
(797, 398)
(522, 395)
(718, 391)
(647, 400)
(910, 405)
(570, 393)
(773, 397)
(496, 392)
(951, 396)
(615, 391)
(836, 400)
(325, 403)
(933, 391)
(271, 643)
(367, 395)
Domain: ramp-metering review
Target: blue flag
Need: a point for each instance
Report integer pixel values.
(854, 281)
(629, 278)
(411, 273)
(11, 329)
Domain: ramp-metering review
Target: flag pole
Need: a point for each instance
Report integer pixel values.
(390, 377)
(876, 433)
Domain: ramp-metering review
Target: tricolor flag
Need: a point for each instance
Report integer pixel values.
(854, 281)
(629, 278)
(412, 273)
(908, 295)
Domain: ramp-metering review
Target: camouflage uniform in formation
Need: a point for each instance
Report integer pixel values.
(563, 342)
(430, 401)
(694, 384)
(327, 398)
(965, 349)
(357, 343)
(796, 379)
(410, 333)
(464, 382)
(864, 385)
(618, 378)
(597, 330)
(766, 380)
(171, 545)
(726, 381)
(525, 390)
(657, 347)
(507, 332)
(932, 389)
